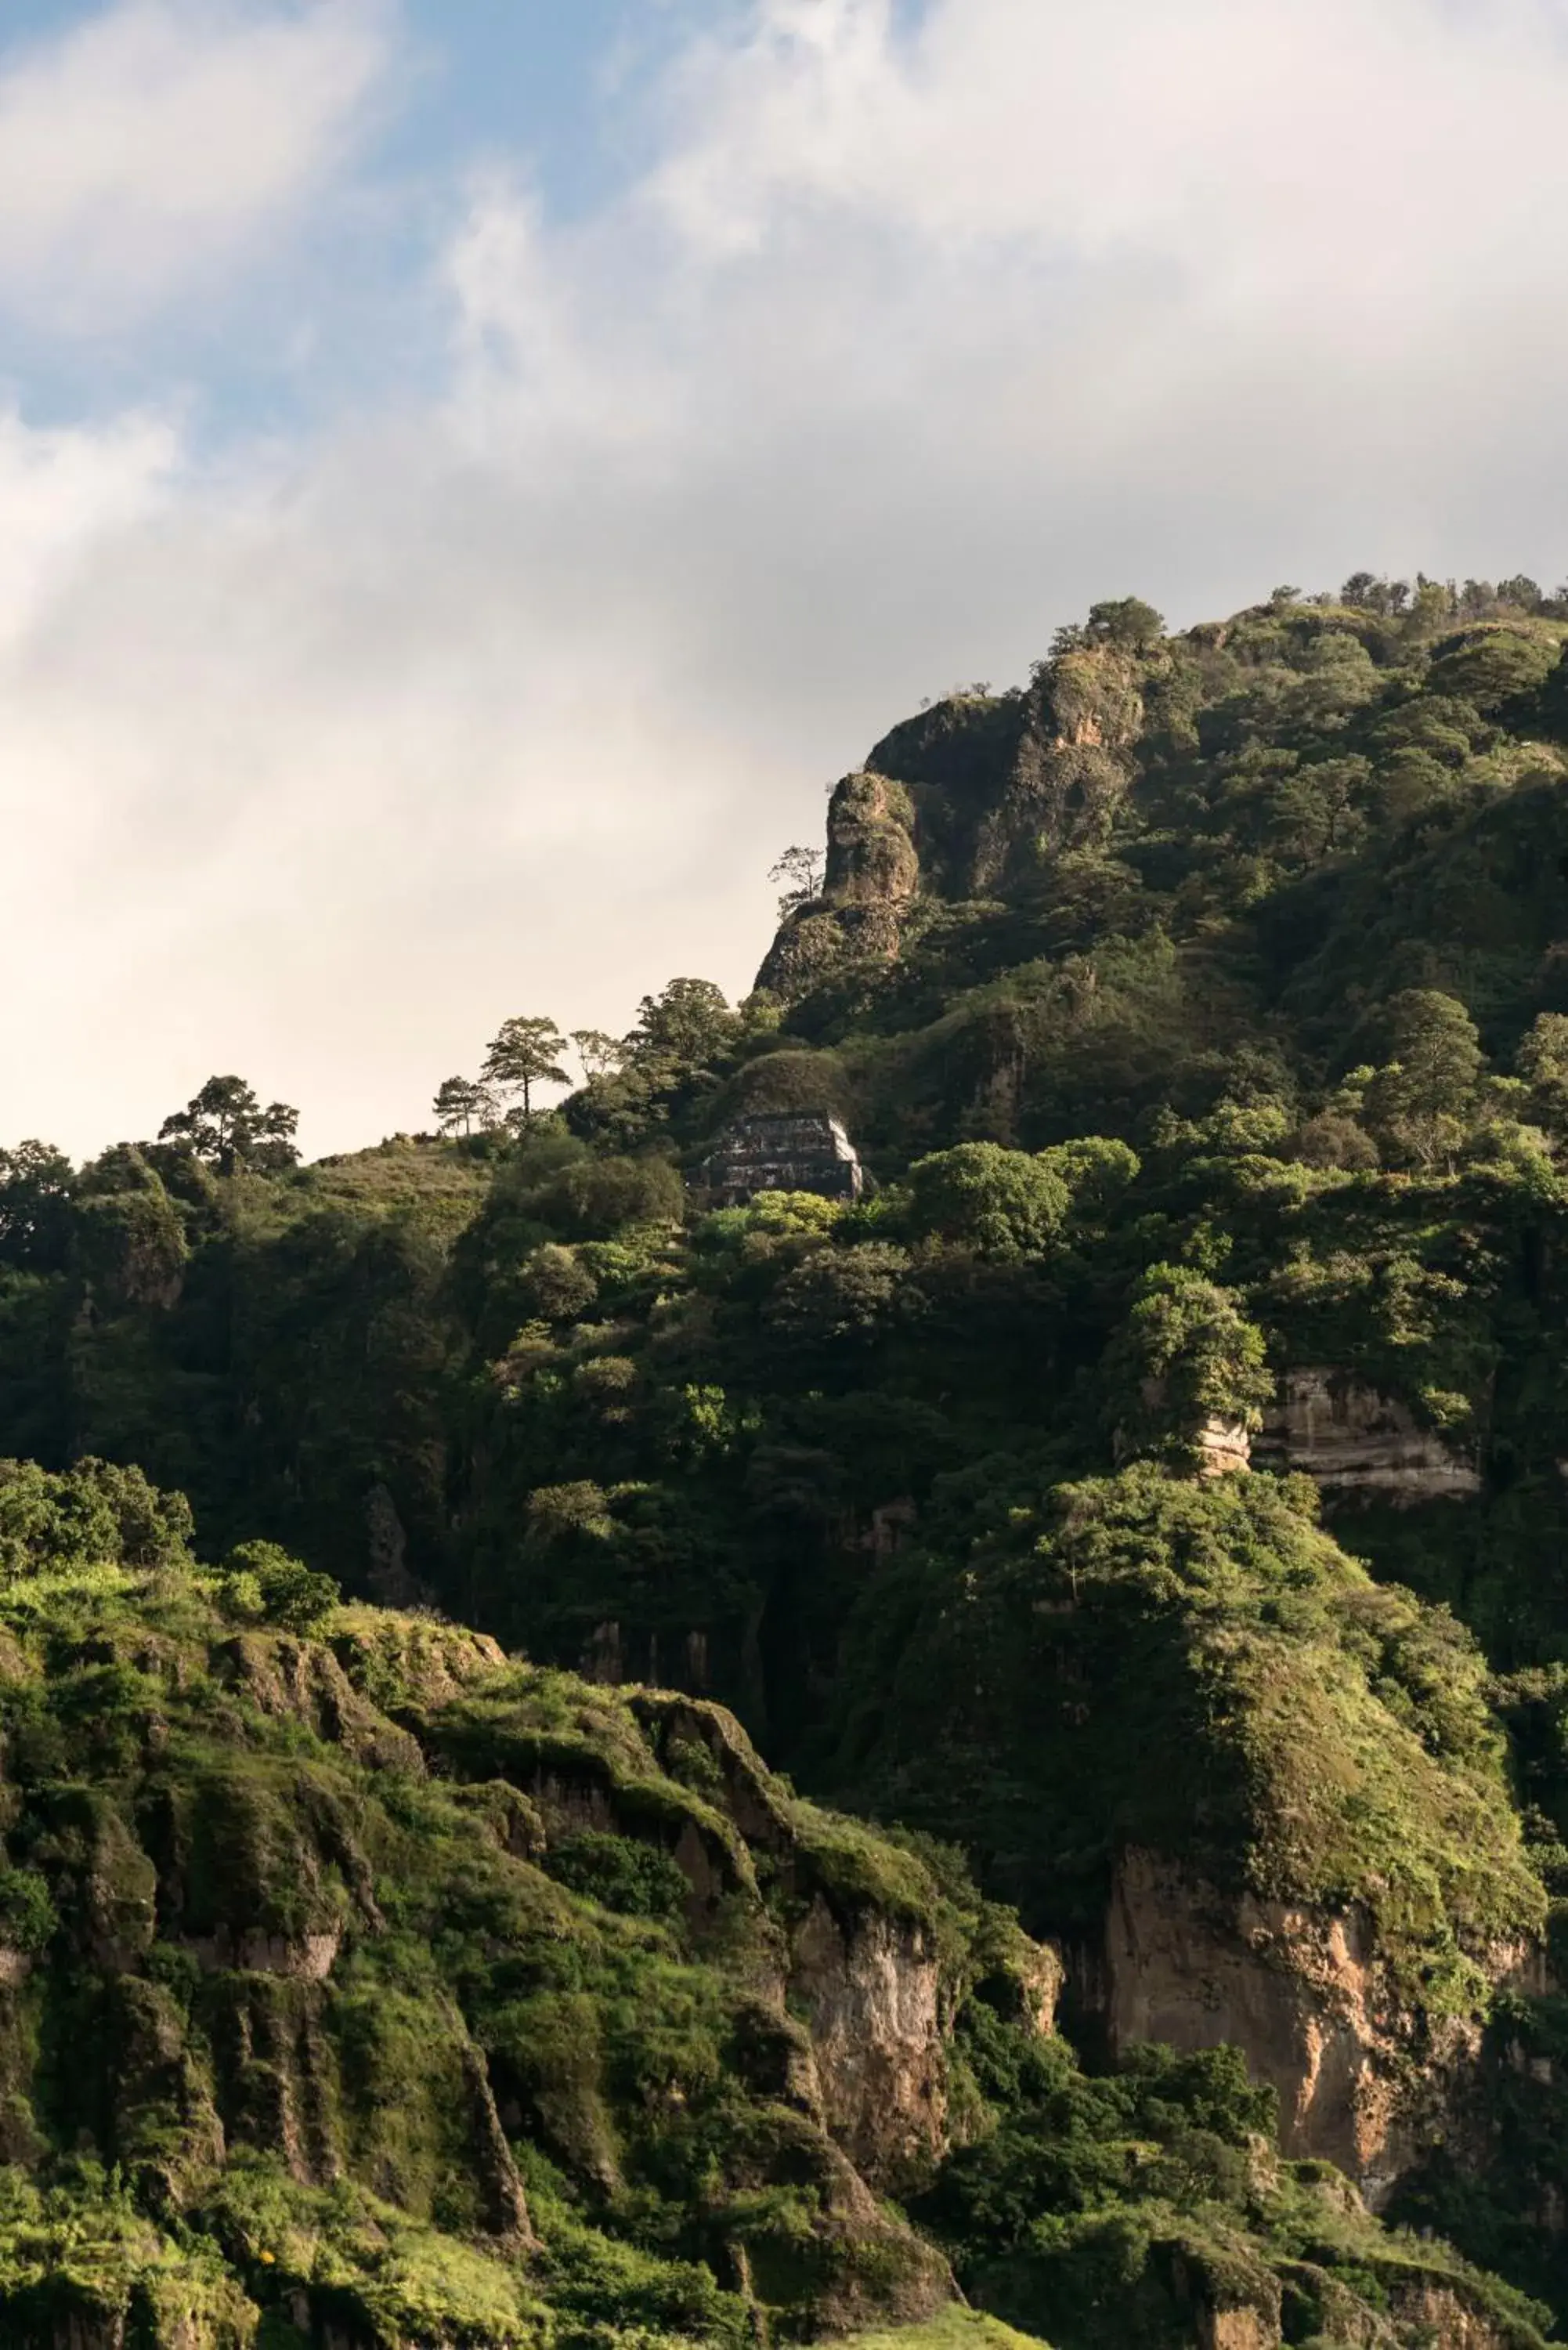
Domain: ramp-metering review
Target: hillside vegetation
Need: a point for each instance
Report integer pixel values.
(1152, 1491)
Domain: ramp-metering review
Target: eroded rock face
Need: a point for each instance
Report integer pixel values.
(1225, 1448)
(1237, 2329)
(1074, 763)
(1432, 2310)
(872, 878)
(299, 1958)
(1305, 1996)
(1355, 1441)
(872, 1991)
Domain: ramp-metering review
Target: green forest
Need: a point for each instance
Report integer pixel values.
(590, 1761)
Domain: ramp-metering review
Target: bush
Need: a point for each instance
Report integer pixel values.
(599, 1197)
(93, 1515)
(266, 1581)
(27, 1918)
(619, 1873)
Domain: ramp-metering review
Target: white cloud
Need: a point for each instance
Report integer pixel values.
(148, 148)
(904, 349)
(61, 493)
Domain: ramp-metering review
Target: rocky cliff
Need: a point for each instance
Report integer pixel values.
(1358, 1444)
(358, 1975)
(1274, 1832)
(1366, 2078)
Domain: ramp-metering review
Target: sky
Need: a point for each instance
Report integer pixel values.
(473, 473)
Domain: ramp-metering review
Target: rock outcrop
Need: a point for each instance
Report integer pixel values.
(1224, 1448)
(871, 1991)
(872, 877)
(1307, 1995)
(355, 1917)
(1073, 766)
(1359, 1444)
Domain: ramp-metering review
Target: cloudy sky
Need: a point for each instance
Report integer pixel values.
(471, 472)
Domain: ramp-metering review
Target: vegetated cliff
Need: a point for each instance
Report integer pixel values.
(1201, 1012)
(362, 1988)
(1262, 1799)
(358, 1975)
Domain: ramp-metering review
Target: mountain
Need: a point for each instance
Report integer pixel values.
(1140, 1514)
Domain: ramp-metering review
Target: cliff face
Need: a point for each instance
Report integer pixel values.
(320, 1942)
(1274, 1832)
(1363, 2074)
(872, 875)
(1358, 1444)
(963, 803)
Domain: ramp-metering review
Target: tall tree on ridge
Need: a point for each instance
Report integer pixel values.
(226, 1126)
(525, 1053)
(459, 1102)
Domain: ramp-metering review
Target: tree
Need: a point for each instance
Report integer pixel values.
(1491, 669)
(459, 1102)
(689, 1024)
(225, 1125)
(35, 1184)
(600, 1054)
(1366, 592)
(802, 870)
(1542, 1062)
(262, 1580)
(1187, 1360)
(1317, 811)
(1421, 1103)
(1003, 1203)
(1127, 622)
(525, 1053)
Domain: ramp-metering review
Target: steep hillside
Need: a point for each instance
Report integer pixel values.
(1154, 1486)
(362, 1988)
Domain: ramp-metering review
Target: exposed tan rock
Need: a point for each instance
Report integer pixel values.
(1357, 1441)
(1225, 1448)
(1237, 2329)
(1040, 1977)
(506, 2206)
(871, 858)
(872, 1995)
(299, 1957)
(1430, 2309)
(1073, 765)
(872, 878)
(277, 2077)
(1303, 1994)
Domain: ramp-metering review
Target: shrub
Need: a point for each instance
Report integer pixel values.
(636, 1878)
(265, 1580)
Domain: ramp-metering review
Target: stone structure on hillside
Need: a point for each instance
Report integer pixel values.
(802, 1151)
